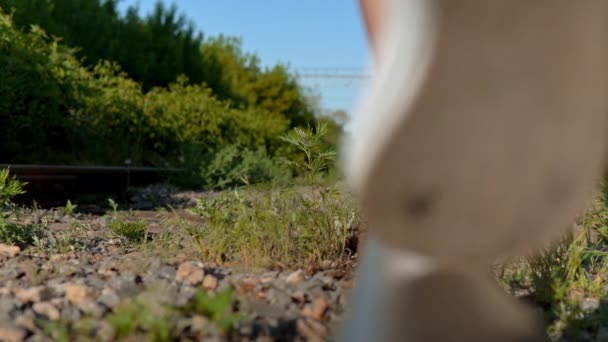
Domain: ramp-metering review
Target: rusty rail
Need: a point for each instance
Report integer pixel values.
(61, 182)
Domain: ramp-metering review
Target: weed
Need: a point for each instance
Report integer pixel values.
(133, 231)
(113, 205)
(318, 158)
(217, 308)
(17, 234)
(561, 279)
(141, 316)
(59, 331)
(9, 188)
(69, 208)
(257, 227)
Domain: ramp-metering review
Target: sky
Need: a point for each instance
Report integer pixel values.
(303, 34)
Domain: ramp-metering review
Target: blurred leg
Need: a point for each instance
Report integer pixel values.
(483, 132)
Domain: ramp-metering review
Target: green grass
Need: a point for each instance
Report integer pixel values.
(146, 318)
(261, 227)
(21, 235)
(132, 231)
(561, 279)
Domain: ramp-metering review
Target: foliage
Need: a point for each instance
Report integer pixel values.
(318, 157)
(133, 231)
(9, 188)
(218, 308)
(222, 121)
(562, 279)
(40, 79)
(138, 315)
(234, 165)
(15, 234)
(69, 208)
(240, 79)
(156, 49)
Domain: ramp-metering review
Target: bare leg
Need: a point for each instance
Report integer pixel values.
(482, 133)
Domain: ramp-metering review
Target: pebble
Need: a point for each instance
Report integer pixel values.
(311, 330)
(590, 304)
(47, 310)
(317, 309)
(295, 277)
(210, 282)
(33, 294)
(77, 294)
(9, 251)
(190, 272)
(108, 298)
(10, 333)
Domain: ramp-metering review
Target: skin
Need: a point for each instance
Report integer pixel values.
(371, 11)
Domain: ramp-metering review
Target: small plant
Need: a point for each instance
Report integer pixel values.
(217, 308)
(9, 188)
(133, 231)
(59, 331)
(16, 234)
(260, 227)
(113, 205)
(141, 316)
(318, 157)
(69, 208)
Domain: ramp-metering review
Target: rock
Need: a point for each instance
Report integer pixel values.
(167, 272)
(311, 330)
(299, 296)
(590, 304)
(26, 321)
(33, 294)
(105, 332)
(184, 295)
(9, 251)
(210, 282)
(199, 324)
(10, 333)
(316, 310)
(91, 308)
(77, 294)
(70, 314)
(295, 277)
(47, 310)
(190, 272)
(108, 298)
(7, 305)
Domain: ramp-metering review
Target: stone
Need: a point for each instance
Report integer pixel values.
(295, 277)
(590, 304)
(76, 294)
(311, 330)
(9, 251)
(317, 309)
(91, 308)
(33, 294)
(210, 282)
(108, 298)
(47, 310)
(10, 333)
(105, 332)
(190, 272)
(167, 272)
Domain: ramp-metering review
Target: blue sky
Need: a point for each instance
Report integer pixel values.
(300, 33)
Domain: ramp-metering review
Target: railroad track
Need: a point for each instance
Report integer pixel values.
(57, 183)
